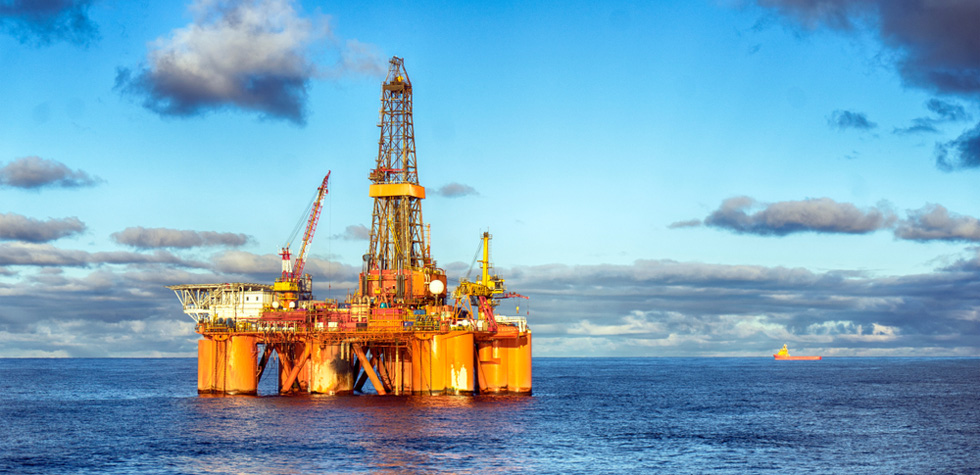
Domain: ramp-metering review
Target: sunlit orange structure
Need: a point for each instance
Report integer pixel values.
(401, 330)
(783, 355)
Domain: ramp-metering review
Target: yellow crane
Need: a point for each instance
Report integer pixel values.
(292, 285)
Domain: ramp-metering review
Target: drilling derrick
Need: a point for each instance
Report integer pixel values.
(398, 268)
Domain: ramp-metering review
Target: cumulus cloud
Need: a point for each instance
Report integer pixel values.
(354, 232)
(42, 22)
(936, 44)
(116, 303)
(841, 120)
(822, 215)
(32, 173)
(937, 41)
(105, 312)
(151, 238)
(648, 308)
(934, 222)
(662, 307)
(14, 227)
(249, 54)
(456, 190)
(239, 54)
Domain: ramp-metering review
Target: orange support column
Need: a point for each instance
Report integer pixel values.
(220, 368)
(406, 371)
(242, 364)
(461, 363)
(435, 364)
(492, 368)
(420, 351)
(330, 371)
(205, 366)
(519, 364)
(527, 383)
(399, 370)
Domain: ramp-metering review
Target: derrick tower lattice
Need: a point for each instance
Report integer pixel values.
(398, 247)
(396, 224)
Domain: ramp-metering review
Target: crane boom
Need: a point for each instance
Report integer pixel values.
(310, 229)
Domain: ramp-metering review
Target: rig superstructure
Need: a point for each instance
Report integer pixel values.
(401, 330)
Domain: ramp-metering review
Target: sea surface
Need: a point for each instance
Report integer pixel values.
(609, 415)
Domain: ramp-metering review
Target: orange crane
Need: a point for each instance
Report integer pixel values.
(292, 285)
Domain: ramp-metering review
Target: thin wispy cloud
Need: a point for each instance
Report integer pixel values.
(920, 125)
(961, 152)
(456, 190)
(356, 59)
(266, 267)
(33, 173)
(943, 112)
(690, 223)
(354, 232)
(42, 22)
(947, 111)
(843, 120)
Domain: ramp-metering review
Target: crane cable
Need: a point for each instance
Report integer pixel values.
(473, 262)
(302, 221)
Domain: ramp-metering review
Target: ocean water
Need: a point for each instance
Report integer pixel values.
(611, 415)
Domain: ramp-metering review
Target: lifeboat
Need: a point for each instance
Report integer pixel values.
(783, 354)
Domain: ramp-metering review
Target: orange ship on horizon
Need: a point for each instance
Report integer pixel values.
(783, 354)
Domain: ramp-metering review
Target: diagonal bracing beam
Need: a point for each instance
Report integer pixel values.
(366, 366)
(296, 369)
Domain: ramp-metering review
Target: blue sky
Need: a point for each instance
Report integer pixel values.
(661, 178)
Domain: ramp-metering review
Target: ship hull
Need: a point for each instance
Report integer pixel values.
(797, 358)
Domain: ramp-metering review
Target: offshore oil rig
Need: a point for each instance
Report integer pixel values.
(402, 330)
